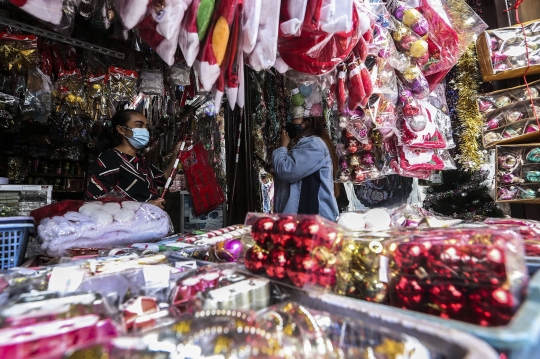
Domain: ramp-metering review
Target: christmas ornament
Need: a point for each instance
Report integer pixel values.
(448, 300)
(255, 259)
(514, 116)
(297, 98)
(276, 263)
(307, 233)
(410, 256)
(417, 123)
(533, 156)
(484, 105)
(261, 230)
(306, 90)
(532, 176)
(300, 269)
(409, 293)
(377, 219)
(527, 193)
(492, 306)
(316, 110)
(298, 112)
(492, 124)
(419, 48)
(283, 231)
(352, 221)
(503, 101)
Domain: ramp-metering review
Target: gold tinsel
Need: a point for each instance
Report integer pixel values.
(466, 83)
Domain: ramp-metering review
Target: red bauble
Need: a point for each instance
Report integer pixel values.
(449, 299)
(409, 293)
(410, 256)
(261, 230)
(276, 263)
(367, 146)
(307, 234)
(326, 276)
(300, 269)
(283, 233)
(492, 306)
(447, 260)
(330, 238)
(255, 259)
(485, 264)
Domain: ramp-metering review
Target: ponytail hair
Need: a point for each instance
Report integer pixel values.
(109, 137)
(318, 128)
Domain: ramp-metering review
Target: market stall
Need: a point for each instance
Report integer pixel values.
(409, 250)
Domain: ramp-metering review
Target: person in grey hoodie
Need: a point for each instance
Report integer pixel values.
(304, 168)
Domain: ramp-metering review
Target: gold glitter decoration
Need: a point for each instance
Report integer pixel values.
(391, 348)
(222, 345)
(466, 83)
(183, 327)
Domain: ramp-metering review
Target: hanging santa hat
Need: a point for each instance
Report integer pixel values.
(292, 16)
(169, 15)
(165, 48)
(189, 35)
(46, 10)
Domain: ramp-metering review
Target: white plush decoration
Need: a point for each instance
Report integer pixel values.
(377, 219)
(352, 221)
(131, 205)
(364, 22)
(88, 208)
(111, 208)
(124, 215)
(102, 218)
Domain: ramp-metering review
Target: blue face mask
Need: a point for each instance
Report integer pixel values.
(140, 137)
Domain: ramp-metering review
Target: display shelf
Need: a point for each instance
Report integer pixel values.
(68, 191)
(54, 175)
(28, 187)
(55, 36)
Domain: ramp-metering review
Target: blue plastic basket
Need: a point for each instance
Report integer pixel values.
(14, 232)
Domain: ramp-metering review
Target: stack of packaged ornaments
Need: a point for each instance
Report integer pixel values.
(304, 250)
(306, 100)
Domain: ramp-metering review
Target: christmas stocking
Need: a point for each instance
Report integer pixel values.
(368, 85)
(46, 10)
(228, 78)
(190, 35)
(356, 87)
(250, 24)
(263, 56)
(131, 11)
(169, 17)
(341, 89)
(215, 45)
(163, 47)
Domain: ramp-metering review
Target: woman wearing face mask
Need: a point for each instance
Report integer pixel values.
(304, 168)
(120, 168)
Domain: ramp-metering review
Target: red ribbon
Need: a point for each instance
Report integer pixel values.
(516, 8)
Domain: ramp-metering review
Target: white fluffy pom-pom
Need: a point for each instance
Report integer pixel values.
(124, 215)
(352, 221)
(377, 219)
(88, 208)
(364, 23)
(131, 205)
(102, 218)
(111, 208)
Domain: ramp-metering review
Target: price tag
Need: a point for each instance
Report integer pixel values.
(65, 279)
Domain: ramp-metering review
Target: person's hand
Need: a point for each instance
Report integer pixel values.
(269, 168)
(285, 139)
(177, 148)
(160, 202)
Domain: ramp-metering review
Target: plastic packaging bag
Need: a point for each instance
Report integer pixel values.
(18, 52)
(152, 82)
(201, 179)
(122, 84)
(110, 224)
(8, 112)
(179, 75)
(37, 99)
(264, 53)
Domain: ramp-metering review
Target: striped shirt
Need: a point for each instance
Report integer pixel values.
(131, 176)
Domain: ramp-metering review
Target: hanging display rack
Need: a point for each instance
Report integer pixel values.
(57, 37)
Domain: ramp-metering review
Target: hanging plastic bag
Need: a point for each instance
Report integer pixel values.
(122, 84)
(152, 82)
(292, 16)
(201, 180)
(336, 16)
(37, 99)
(18, 52)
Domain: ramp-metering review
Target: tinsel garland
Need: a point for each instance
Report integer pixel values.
(466, 83)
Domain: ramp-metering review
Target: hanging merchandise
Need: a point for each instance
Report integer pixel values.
(250, 24)
(201, 180)
(264, 54)
(122, 84)
(18, 52)
(37, 98)
(179, 75)
(316, 52)
(292, 16)
(214, 47)
(8, 113)
(152, 82)
(45, 10)
(131, 11)
(194, 27)
(336, 16)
